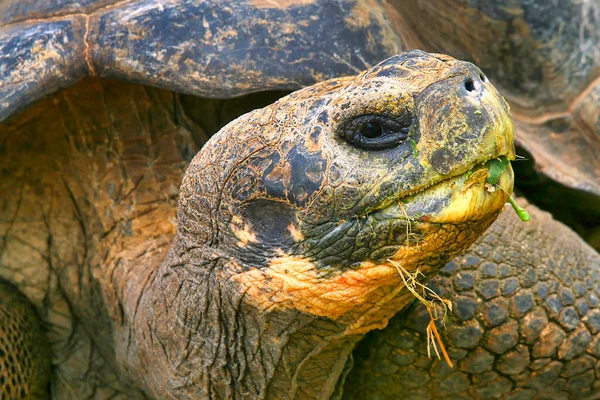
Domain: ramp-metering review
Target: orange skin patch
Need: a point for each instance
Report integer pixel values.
(295, 233)
(242, 231)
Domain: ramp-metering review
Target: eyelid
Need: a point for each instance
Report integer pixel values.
(395, 132)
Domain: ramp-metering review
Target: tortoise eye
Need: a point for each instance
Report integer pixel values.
(374, 132)
(371, 130)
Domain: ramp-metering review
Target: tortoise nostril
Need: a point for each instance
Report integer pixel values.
(482, 77)
(469, 85)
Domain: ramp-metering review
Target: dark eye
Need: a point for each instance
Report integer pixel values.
(375, 132)
(371, 130)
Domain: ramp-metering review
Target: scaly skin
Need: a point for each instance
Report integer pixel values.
(525, 323)
(286, 222)
(24, 351)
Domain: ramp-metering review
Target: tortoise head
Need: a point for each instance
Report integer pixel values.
(311, 201)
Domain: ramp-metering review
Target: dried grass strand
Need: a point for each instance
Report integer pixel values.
(411, 282)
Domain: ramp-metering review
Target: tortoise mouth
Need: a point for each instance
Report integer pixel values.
(460, 172)
(463, 196)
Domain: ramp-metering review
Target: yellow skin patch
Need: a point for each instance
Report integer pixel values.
(469, 196)
(292, 282)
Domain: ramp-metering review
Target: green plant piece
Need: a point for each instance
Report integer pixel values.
(413, 144)
(521, 212)
(496, 169)
(468, 175)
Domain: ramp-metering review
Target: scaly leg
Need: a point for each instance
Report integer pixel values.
(25, 361)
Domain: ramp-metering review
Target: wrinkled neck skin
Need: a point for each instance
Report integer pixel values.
(191, 334)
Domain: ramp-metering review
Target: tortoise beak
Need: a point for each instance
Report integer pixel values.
(497, 109)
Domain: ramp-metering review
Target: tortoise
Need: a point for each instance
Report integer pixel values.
(93, 214)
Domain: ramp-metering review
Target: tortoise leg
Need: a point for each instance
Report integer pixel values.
(25, 362)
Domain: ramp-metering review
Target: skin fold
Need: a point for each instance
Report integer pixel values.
(288, 221)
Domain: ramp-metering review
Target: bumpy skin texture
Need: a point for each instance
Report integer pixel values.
(24, 351)
(86, 237)
(525, 323)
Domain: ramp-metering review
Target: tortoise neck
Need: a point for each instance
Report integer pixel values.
(192, 334)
